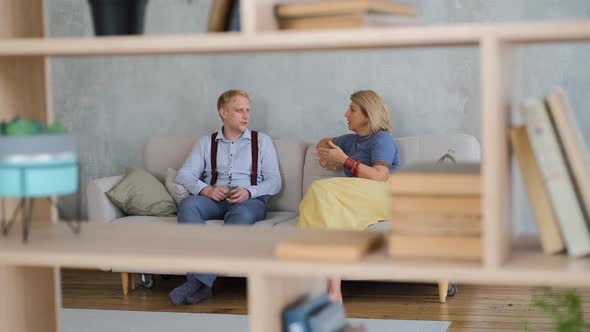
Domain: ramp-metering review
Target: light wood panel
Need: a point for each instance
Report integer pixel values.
(28, 302)
(23, 90)
(268, 295)
(28, 299)
(237, 43)
(541, 32)
(495, 165)
(21, 18)
(257, 16)
(280, 41)
(23, 80)
(474, 308)
(181, 248)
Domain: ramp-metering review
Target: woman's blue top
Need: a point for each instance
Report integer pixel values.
(371, 150)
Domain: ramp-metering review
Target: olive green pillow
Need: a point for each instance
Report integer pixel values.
(140, 193)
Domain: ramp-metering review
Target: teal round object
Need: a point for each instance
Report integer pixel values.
(37, 166)
(39, 179)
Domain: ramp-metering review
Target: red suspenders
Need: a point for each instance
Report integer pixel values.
(254, 147)
(213, 158)
(254, 174)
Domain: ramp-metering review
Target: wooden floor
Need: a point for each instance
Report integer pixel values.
(474, 308)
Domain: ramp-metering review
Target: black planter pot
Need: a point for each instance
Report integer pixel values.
(118, 17)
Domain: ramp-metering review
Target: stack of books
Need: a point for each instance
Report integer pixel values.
(337, 14)
(436, 211)
(555, 165)
(328, 245)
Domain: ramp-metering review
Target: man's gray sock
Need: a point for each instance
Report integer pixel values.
(179, 294)
(203, 293)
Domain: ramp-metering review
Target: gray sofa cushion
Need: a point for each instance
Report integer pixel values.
(100, 207)
(383, 226)
(163, 152)
(272, 218)
(428, 148)
(291, 159)
(312, 170)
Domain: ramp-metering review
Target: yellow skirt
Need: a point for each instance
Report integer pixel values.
(344, 203)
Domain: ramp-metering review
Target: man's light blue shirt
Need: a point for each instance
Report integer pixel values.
(234, 165)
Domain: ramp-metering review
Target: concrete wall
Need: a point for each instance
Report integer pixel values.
(114, 103)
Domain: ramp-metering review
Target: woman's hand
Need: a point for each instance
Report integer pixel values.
(333, 153)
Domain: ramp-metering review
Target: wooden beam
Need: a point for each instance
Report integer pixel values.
(29, 300)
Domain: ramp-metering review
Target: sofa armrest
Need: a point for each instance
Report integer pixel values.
(100, 207)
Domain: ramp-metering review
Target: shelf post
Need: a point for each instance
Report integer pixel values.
(269, 295)
(30, 300)
(257, 16)
(496, 68)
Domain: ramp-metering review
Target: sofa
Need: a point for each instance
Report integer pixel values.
(299, 167)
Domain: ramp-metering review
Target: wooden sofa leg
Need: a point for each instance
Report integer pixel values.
(132, 278)
(125, 282)
(443, 287)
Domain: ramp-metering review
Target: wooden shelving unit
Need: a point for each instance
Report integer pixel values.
(180, 248)
(31, 296)
(28, 270)
(472, 35)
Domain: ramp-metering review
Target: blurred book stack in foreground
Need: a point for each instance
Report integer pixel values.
(342, 14)
(224, 15)
(436, 211)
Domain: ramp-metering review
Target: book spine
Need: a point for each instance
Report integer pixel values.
(575, 150)
(556, 178)
(538, 196)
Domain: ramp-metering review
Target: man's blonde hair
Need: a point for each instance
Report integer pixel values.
(374, 108)
(228, 95)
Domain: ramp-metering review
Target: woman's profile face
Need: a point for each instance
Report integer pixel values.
(356, 120)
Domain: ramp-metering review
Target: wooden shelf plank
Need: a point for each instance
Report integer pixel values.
(240, 43)
(281, 41)
(544, 32)
(244, 251)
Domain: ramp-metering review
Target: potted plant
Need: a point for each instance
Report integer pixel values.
(564, 307)
(118, 17)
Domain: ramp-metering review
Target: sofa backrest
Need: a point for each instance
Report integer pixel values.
(411, 149)
(299, 163)
(162, 152)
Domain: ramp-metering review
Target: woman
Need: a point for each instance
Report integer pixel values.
(368, 156)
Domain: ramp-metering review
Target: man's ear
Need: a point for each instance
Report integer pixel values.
(222, 112)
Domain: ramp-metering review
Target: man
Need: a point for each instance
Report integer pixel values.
(209, 180)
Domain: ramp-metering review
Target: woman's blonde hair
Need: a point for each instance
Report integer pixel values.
(228, 95)
(374, 108)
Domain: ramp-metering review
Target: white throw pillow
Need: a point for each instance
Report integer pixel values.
(177, 191)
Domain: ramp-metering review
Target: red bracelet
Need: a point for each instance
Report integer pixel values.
(349, 163)
(355, 168)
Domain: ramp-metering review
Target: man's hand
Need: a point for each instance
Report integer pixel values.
(333, 153)
(215, 193)
(239, 195)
